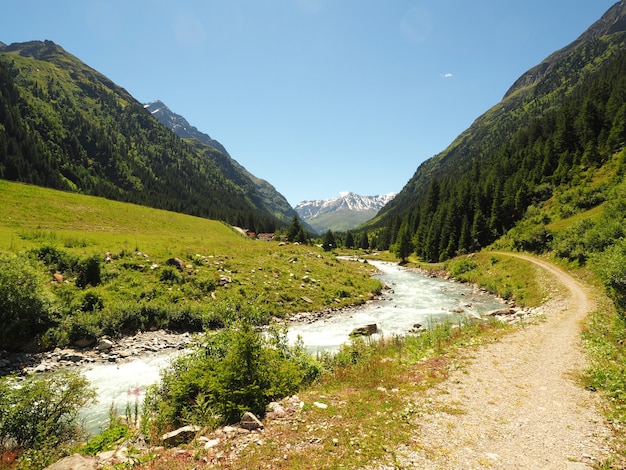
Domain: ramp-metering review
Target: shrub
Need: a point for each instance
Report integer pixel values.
(233, 371)
(40, 411)
(88, 271)
(26, 306)
(462, 266)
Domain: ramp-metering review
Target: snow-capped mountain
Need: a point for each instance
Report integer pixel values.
(341, 213)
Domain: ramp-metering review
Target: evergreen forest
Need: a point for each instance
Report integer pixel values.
(65, 126)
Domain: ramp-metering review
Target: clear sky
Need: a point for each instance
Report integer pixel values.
(315, 96)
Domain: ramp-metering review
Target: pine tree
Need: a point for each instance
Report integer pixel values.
(329, 241)
(349, 240)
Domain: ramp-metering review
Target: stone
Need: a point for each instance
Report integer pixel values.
(319, 405)
(250, 422)
(180, 435)
(58, 277)
(501, 312)
(74, 462)
(276, 409)
(104, 344)
(177, 263)
(366, 330)
(211, 443)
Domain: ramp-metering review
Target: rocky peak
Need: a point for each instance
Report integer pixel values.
(180, 126)
(613, 21)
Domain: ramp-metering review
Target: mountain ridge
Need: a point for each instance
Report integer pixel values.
(341, 213)
(270, 199)
(67, 126)
(557, 120)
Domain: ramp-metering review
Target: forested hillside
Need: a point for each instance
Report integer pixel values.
(65, 126)
(557, 125)
(269, 198)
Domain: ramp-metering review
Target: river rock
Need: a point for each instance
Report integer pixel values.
(366, 330)
(74, 462)
(501, 312)
(250, 422)
(180, 435)
(104, 344)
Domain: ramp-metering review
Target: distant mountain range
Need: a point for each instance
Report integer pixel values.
(341, 213)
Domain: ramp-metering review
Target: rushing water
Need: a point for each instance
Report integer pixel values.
(413, 299)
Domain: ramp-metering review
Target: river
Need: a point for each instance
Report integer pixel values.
(412, 299)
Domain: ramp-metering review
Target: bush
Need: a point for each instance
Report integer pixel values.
(26, 306)
(40, 411)
(231, 372)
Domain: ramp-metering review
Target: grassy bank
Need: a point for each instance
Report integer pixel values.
(156, 269)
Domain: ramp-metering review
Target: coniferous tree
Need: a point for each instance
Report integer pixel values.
(329, 241)
(349, 243)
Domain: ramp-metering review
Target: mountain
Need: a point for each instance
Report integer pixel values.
(341, 213)
(270, 199)
(559, 123)
(66, 126)
(180, 125)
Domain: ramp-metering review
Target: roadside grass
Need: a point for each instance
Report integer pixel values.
(507, 277)
(367, 407)
(604, 336)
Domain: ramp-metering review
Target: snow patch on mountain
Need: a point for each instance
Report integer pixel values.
(346, 200)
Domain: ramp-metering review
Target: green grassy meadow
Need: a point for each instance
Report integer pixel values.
(224, 276)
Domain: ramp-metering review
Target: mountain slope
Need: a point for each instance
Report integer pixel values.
(66, 126)
(341, 213)
(557, 121)
(269, 198)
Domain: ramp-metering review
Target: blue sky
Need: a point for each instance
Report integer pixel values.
(315, 96)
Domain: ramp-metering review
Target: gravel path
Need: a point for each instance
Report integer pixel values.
(516, 405)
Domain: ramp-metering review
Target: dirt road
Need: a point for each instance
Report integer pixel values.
(517, 404)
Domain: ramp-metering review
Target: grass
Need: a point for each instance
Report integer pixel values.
(224, 274)
(369, 397)
(504, 276)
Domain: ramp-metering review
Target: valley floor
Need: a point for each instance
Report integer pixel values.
(516, 403)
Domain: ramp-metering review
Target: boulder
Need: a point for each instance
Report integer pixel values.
(74, 462)
(180, 435)
(250, 422)
(58, 277)
(104, 344)
(501, 312)
(177, 263)
(366, 330)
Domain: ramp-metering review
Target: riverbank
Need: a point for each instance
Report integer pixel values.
(143, 344)
(106, 350)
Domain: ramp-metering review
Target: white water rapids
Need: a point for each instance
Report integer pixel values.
(413, 299)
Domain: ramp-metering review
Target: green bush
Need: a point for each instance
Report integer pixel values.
(40, 411)
(462, 266)
(26, 305)
(231, 372)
